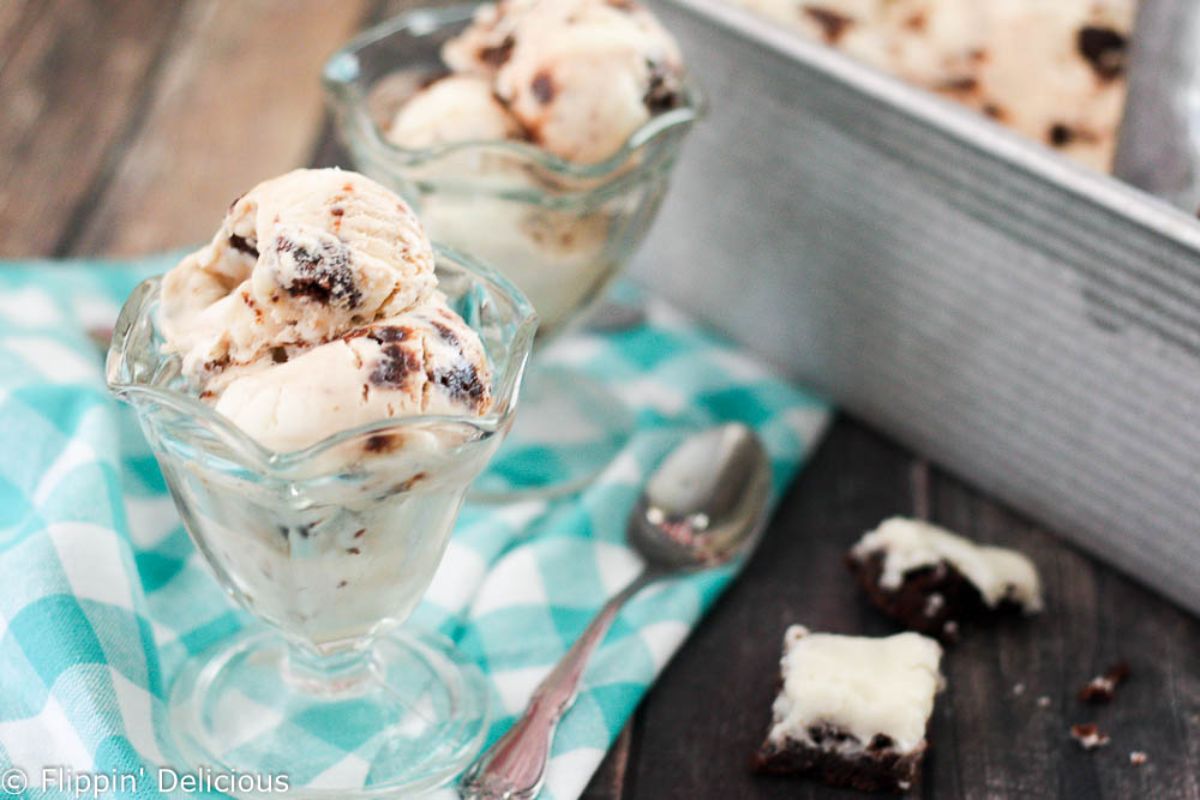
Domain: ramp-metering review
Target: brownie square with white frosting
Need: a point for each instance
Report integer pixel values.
(932, 580)
(853, 711)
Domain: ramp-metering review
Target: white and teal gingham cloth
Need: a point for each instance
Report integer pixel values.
(103, 597)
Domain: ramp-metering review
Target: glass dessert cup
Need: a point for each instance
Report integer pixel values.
(332, 547)
(561, 231)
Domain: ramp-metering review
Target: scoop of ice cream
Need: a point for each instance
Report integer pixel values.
(423, 361)
(297, 260)
(579, 75)
(457, 108)
(487, 43)
(315, 310)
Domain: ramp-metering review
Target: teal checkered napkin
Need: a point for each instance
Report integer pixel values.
(104, 596)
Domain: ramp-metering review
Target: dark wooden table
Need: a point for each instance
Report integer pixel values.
(127, 127)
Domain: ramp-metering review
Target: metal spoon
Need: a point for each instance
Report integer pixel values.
(702, 507)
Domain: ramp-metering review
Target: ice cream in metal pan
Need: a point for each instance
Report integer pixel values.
(1054, 71)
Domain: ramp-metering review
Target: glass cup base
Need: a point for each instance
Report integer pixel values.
(397, 720)
(569, 429)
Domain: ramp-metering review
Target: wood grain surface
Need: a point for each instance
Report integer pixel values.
(694, 732)
(238, 99)
(73, 78)
(128, 126)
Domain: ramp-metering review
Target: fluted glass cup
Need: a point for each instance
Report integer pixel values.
(332, 547)
(561, 231)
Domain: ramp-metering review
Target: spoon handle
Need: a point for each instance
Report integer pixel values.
(514, 768)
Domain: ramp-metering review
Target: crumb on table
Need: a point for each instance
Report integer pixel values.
(1089, 736)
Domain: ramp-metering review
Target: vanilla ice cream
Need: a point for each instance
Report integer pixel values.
(456, 108)
(1051, 70)
(1056, 72)
(580, 76)
(315, 309)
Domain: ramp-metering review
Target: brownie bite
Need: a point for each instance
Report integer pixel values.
(932, 581)
(853, 711)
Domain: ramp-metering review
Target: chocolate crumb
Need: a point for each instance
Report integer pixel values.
(243, 245)
(342, 584)
(963, 85)
(301, 531)
(543, 88)
(279, 355)
(880, 741)
(1060, 135)
(1104, 49)
(833, 24)
(1088, 736)
(1102, 688)
(917, 22)
(358, 534)
(381, 443)
(354, 551)
(994, 111)
(661, 92)
(497, 55)
(217, 364)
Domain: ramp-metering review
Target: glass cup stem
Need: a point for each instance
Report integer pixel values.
(333, 674)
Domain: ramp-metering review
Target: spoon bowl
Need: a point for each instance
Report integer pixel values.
(706, 503)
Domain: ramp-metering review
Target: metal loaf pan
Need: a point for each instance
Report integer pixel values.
(1028, 324)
